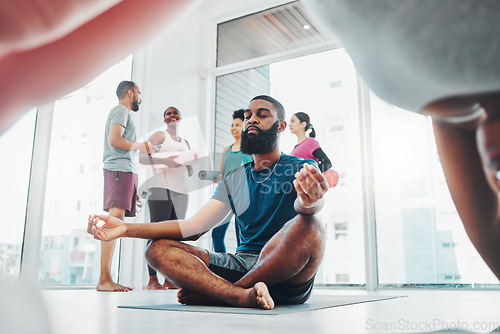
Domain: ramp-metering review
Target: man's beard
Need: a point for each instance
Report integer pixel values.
(261, 143)
(135, 105)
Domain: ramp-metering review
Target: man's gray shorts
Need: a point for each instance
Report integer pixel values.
(232, 267)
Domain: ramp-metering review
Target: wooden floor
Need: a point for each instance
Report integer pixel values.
(91, 312)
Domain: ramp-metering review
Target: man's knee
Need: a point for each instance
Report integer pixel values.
(313, 237)
(310, 225)
(307, 229)
(158, 249)
(172, 251)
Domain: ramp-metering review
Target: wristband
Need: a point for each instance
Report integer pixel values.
(307, 206)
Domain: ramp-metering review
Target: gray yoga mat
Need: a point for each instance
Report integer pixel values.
(314, 303)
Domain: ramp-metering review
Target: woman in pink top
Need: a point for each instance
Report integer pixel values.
(307, 147)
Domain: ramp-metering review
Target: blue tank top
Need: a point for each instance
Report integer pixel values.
(233, 160)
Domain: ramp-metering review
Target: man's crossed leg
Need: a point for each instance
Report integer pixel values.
(288, 262)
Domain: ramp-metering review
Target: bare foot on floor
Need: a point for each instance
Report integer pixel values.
(155, 286)
(168, 285)
(112, 287)
(260, 294)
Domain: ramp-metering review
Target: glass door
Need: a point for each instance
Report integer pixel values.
(69, 256)
(17, 148)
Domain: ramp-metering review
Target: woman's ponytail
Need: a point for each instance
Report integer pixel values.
(313, 132)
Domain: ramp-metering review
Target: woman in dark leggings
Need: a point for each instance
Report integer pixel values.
(166, 204)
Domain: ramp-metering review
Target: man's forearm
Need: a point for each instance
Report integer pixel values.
(124, 144)
(146, 159)
(164, 230)
(476, 202)
(461, 163)
(209, 216)
(171, 229)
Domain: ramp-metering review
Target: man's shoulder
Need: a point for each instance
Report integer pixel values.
(297, 161)
(120, 108)
(286, 158)
(238, 171)
(118, 115)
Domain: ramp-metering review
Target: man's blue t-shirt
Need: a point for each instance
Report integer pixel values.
(263, 200)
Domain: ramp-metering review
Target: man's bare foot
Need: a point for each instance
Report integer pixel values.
(111, 286)
(187, 297)
(259, 296)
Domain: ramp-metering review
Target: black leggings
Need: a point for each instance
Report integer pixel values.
(173, 208)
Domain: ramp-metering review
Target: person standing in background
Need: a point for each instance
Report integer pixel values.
(232, 158)
(121, 161)
(164, 203)
(307, 147)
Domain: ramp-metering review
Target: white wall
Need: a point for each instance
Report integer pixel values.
(178, 63)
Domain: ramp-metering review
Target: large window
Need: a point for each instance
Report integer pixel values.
(75, 182)
(17, 147)
(420, 237)
(324, 86)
